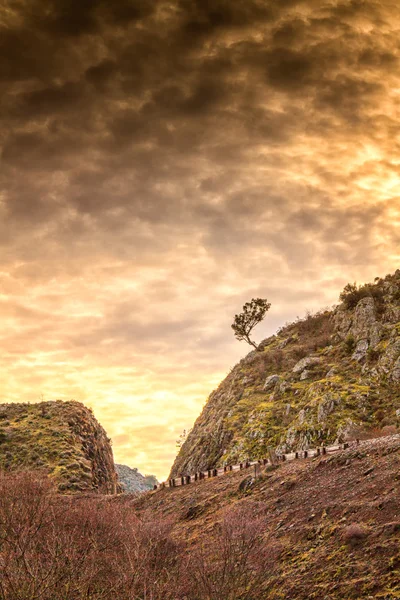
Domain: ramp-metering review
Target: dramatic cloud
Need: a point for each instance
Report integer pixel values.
(163, 161)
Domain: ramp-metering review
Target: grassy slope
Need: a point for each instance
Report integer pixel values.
(307, 508)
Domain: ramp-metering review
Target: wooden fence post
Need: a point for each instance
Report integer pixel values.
(241, 466)
(318, 451)
(296, 455)
(209, 473)
(305, 454)
(182, 480)
(231, 467)
(323, 450)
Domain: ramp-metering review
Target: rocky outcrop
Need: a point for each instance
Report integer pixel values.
(313, 383)
(62, 438)
(304, 363)
(362, 324)
(271, 382)
(134, 482)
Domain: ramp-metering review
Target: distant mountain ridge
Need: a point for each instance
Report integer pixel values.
(319, 380)
(134, 482)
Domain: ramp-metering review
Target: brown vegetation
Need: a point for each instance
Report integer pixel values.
(330, 524)
(69, 548)
(324, 528)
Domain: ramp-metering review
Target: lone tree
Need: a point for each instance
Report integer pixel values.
(253, 313)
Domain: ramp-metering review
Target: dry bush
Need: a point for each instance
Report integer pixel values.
(272, 361)
(95, 548)
(315, 330)
(235, 563)
(354, 534)
(74, 549)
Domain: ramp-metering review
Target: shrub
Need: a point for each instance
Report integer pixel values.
(95, 548)
(350, 344)
(235, 562)
(373, 355)
(352, 294)
(354, 534)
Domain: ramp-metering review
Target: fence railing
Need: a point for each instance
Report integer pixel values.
(257, 464)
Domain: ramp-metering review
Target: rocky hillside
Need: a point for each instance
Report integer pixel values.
(331, 524)
(134, 482)
(62, 438)
(330, 376)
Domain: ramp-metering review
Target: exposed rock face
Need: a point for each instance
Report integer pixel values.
(362, 324)
(134, 482)
(396, 371)
(360, 352)
(63, 438)
(271, 382)
(308, 361)
(312, 383)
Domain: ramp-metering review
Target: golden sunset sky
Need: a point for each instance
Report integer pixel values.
(163, 162)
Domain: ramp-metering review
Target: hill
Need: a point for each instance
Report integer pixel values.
(329, 526)
(134, 482)
(321, 379)
(63, 439)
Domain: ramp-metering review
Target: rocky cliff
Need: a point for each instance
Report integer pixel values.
(134, 482)
(62, 438)
(325, 378)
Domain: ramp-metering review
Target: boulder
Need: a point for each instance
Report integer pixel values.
(246, 484)
(360, 352)
(285, 342)
(396, 371)
(308, 361)
(271, 382)
(325, 407)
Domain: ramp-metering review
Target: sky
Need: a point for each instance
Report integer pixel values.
(164, 161)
